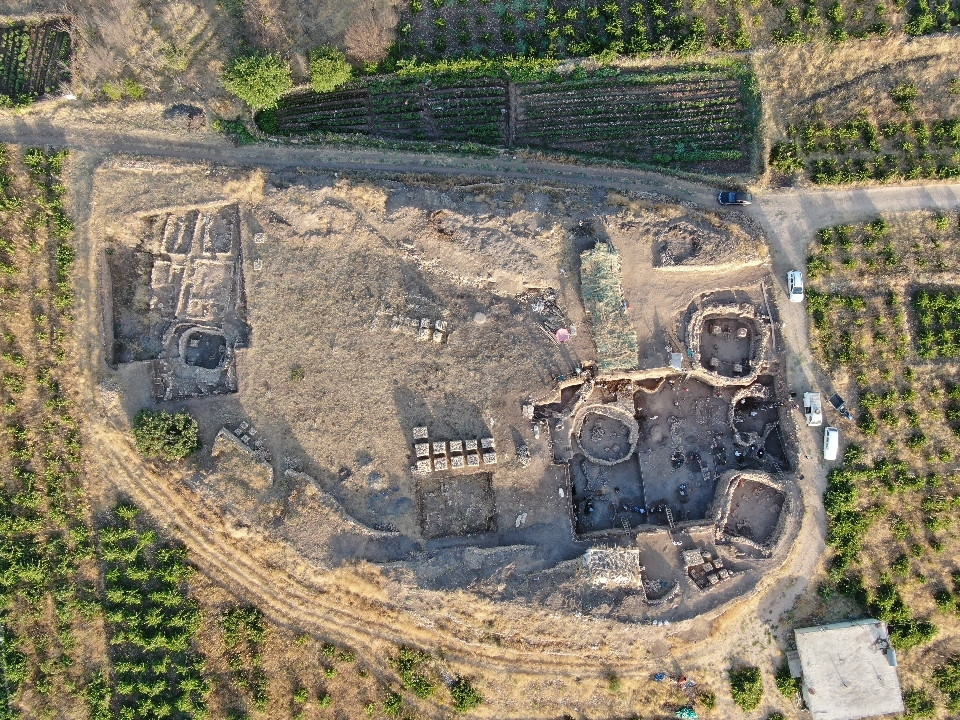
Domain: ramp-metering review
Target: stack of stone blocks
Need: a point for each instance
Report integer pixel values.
(433, 456)
(425, 329)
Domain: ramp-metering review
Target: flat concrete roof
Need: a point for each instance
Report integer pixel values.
(849, 670)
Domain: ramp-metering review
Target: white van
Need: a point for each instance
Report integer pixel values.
(795, 286)
(831, 443)
(813, 409)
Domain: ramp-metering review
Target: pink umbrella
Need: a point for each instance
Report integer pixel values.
(563, 335)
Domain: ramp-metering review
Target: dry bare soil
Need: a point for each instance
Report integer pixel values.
(333, 393)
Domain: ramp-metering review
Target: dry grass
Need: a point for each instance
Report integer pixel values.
(177, 49)
(833, 82)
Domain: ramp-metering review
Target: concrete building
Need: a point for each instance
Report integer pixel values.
(849, 670)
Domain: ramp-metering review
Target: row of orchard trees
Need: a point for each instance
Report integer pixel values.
(152, 623)
(57, 593)
(46, 546)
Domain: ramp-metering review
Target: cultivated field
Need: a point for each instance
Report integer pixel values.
(698, 117)
(34, 60)
(434, 29)
(862, 111)
(884, 328)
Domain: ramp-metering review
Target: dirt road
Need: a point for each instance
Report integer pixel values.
(116, 140)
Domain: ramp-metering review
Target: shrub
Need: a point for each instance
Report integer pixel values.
(903, 96)
(408, 663)
(329, 69)
(465, 697)
(785, 157)
(171, 436)
(947, 679)
(258, 80)
(614, 683)
(124, 88)
(236, 130)
(393, 705)
(788, 685)
(918, 704)
(708, 699)
(746, 687)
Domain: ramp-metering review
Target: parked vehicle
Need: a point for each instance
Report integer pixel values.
(831, 443)
(841, 405)
(813, 409)
(795, 286)
(734, 198)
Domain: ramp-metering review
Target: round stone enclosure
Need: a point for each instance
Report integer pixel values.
(607, 434)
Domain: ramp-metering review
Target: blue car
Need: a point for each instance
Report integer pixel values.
(734, 198)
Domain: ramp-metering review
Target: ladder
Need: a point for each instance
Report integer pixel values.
(625, 523)
(669, 514)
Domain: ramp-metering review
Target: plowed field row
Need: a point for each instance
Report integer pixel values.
(34, 59)
(682, 118)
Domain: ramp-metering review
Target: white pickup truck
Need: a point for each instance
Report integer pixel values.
(813, 409)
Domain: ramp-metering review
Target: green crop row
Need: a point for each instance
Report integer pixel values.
(859, 150)
(151, 623)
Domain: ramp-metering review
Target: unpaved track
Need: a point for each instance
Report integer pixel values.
(271, 575)
(215, 149)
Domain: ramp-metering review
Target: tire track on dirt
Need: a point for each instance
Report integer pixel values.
(287, 598)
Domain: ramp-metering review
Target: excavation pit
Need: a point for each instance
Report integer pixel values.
(457, 506)
(754, 511)
(725, 346)
(607, 434)
(204, 349)
(606, 497)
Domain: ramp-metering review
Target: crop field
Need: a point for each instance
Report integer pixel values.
(474, 111)
(681, 119)
(861, 151)
(436, 29)
(883, 324)
(35, 60)
(879, 111)
(695, 117)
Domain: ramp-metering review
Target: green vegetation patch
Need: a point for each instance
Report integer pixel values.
(938, 323)
(48, 595)
(946, 678)
(244, 633)
(789, 686)
(411, 665)
(35, 59)
(152, 623)
(465, 697)
(746, 687)
(859, 151)
(258, 80)
(600, 285)
(170, 436)
(450, 29)
(329, 69)
(700, 116)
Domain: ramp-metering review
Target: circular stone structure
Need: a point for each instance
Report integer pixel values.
(607, 434)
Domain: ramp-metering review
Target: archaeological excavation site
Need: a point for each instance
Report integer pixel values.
(466, 385)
